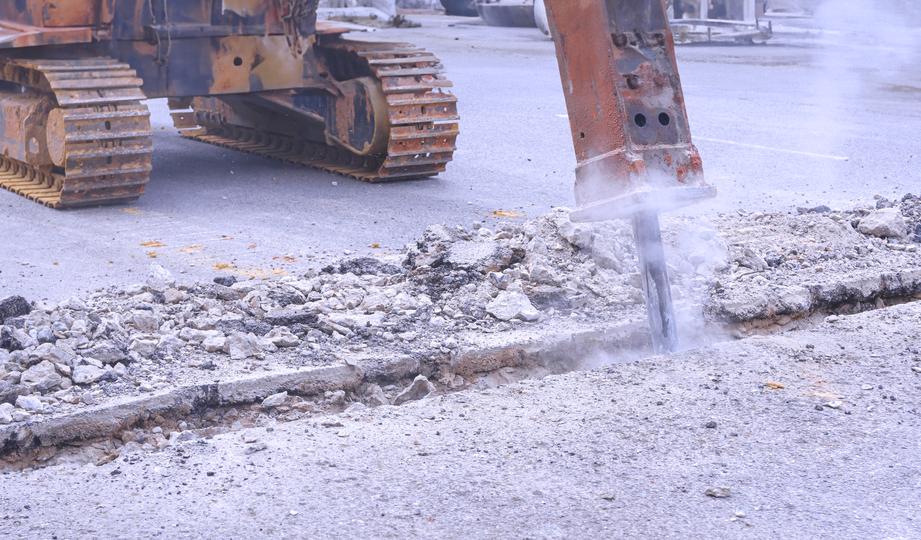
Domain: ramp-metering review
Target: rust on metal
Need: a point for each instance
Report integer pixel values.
(87, 137)
(626, 108)
(419, 128)
(260, 76)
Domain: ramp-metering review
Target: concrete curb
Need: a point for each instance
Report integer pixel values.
(524, 347)
(518, 349)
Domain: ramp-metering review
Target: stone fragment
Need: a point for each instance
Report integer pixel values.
(282, 337)
(225, 281)
(144, 347)
(174, 296)
(6, 413)
(274, 400)
(87, 374)
(159, 278)
(510, 305)
(42, 376)
(376, 301)
(19, 339)
(106, 352)
(577, 234)
(30, 403)
(750, 259)
(240, 345)
(214, 343)
(45, 335)
(718, 492)
(145, 321)
(13, 306)
(194, 335)
(9, 390)
(170, 344)
(52, 353)
(420, 388)
(289, 316)
(884, 223)
(375, 397)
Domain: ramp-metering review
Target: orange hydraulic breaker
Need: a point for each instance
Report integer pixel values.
(629, 128)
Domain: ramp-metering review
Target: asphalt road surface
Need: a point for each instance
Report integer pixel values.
(799, 122)
(807, 435)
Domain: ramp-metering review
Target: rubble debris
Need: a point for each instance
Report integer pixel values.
(508, 305)
(450, 290)
(420, 388)
(13, 306)
(884, 223)
(718, 492)
(274, 400)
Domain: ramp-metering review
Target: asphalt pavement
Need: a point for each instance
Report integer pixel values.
(801, 121)
(811, 434)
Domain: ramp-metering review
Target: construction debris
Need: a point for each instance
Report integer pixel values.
(447, 292)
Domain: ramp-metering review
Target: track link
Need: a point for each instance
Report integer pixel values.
(422, 114)
(104, 146)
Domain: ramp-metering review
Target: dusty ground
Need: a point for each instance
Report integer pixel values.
(453, 292)
(811, 434)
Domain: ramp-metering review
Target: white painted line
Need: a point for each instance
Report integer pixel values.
(772, 149)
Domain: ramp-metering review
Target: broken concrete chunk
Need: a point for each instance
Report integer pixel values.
(145, 321)
(215, 343)
(375, 396)
(750, 259)
(42, 376)
(87, 374)
(107, 353)
(159, 278)
(169, 344)
(6, 413)
(274, 400)
(144, 347)
(240, 345)
(13, 306)
(577, 234)
(282, 337)
(174, 296)
(420, 388)
(290, 316)
(510, 305)
(884, 223)
(30, 403)
(485, 256)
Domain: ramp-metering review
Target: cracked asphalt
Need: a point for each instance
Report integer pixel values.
(812, 433)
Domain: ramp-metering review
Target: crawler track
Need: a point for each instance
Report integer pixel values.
(105, 145)
(422, 114)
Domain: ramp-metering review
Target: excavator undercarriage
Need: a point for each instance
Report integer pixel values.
(259, 76)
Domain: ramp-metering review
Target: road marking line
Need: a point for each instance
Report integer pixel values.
(773, 149)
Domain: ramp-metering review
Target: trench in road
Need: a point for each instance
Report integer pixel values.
(203, 415)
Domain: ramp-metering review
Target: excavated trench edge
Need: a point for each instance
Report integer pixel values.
(550, 354)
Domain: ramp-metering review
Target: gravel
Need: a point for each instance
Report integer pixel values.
(452, 290)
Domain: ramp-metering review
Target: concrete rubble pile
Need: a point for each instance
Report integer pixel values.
(452, 282)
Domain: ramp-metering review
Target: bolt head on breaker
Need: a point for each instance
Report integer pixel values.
(626, 108)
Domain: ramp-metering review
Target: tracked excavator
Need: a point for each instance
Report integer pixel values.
(259, 76)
